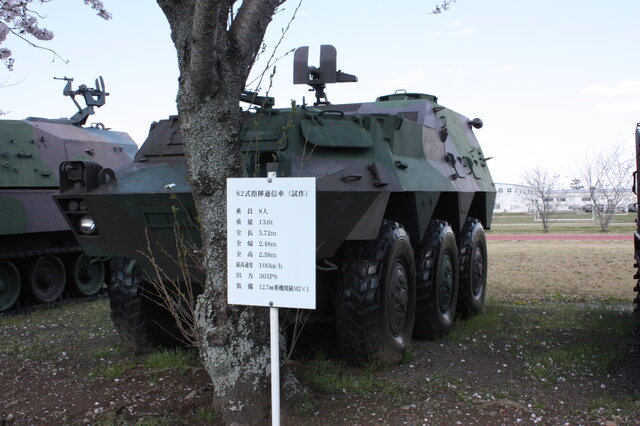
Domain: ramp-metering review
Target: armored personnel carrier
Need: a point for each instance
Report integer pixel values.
(39, 256)
(403, 197)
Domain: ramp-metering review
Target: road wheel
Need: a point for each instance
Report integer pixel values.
(437, 282)
(473, 268)
(375, 299)
(137, 315)
(87, 278)
(9, 285)
(47, 278)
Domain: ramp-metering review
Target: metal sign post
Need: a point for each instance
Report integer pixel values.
(271, 225)
(274, 326)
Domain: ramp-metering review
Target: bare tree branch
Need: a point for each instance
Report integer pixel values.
(607, 176)
(543, 187)
(271, 61)
(248, 28)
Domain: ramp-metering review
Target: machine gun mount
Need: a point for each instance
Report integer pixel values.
(93, 97)
(319, 77)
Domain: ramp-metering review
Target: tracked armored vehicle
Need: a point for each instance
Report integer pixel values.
(403, 197)
(39, 256)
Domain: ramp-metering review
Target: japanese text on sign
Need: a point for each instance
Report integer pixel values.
(271, 240)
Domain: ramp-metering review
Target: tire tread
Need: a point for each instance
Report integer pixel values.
(359, 293)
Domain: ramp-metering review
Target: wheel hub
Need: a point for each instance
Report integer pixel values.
(45, 276)
(398, 298)
(88, 276)
(477, 280)
(47, 279)
(85, 274)
(446, 283)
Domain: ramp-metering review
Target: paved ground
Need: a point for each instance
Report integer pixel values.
(561, 237)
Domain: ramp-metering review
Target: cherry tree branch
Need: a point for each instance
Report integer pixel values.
(442, 7)
(209, 39)
(37, 46)
(271, 61)
(18, 19)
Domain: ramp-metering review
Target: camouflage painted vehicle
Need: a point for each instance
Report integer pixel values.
(39, 256)
(403, 197)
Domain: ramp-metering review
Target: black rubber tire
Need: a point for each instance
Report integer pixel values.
(9, 285)
(47, 279)
(87, 278)
(375, 298)
(437, 282)
(473, 268)
(139, 319)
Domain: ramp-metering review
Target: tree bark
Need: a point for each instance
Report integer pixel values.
(215, 53)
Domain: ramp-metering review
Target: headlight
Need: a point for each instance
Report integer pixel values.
(87, 226)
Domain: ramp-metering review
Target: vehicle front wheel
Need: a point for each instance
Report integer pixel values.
(375, 299)
(437, 282)
(137, 314)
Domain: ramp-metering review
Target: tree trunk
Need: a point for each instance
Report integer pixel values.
(216, 49)
(235, 346)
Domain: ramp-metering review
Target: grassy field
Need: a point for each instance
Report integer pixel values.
(556, 344)
(589, 270)
(562, 223)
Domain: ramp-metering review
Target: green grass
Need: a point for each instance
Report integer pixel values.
(565, 228)
(84, 310)
(177, 358)
(46, 330)
(304, 406)
(120, 362)
(529, 218)
(489, 320)
(563, 223)
(205, 414)
(330, 377)
(113, 371)
(552, 339)
(167, 420)
(109, 352)
(407, 356)
(619, 405)
(582, 351)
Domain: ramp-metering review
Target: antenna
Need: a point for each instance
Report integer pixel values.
(319, 77)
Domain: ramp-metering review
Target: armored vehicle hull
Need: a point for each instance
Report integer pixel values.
(403, 196)
(39, 256)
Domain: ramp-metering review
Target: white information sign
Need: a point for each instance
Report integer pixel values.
(271, 242)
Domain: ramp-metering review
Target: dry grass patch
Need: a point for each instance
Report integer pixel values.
(582, 270)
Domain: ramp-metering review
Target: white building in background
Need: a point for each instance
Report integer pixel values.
(513, 198)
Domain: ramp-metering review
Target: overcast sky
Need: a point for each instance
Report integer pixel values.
(552, 80)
